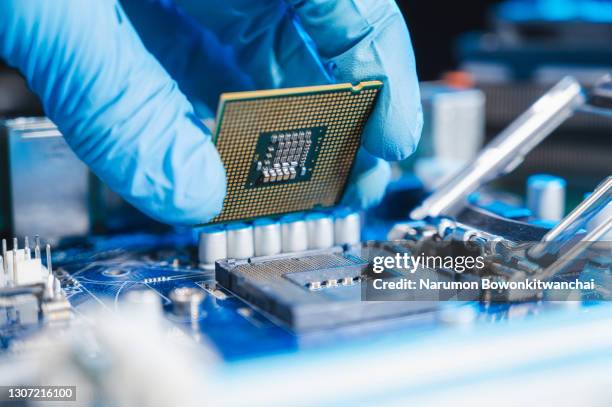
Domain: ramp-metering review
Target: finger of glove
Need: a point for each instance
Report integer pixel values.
(368, 39)
(192, 55)
(265, 39)
(368, 182)
(116, 106)
(295, 43)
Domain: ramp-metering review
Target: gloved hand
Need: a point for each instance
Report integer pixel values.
(129, 109)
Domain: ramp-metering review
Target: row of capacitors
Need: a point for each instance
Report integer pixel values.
(289, 234)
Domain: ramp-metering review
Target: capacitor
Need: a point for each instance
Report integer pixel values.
(212, 245)
(240, 243)
(546, 197)
(294, 234)
(347, 227)
(320, 228)
(186, 301)
(267, 237)
(147, 303)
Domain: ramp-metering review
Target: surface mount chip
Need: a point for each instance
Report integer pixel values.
(289, 150)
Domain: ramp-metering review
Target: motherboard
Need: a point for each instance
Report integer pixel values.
(285, 281)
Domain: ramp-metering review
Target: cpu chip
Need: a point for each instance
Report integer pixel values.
(289, 150)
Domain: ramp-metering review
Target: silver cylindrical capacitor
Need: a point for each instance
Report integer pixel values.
(212, 245)
(546, 197)
(347, 227)
(320, 228)
(146, 303)
(186, 301)
(240, 243)
(294, 234)
(267, 237)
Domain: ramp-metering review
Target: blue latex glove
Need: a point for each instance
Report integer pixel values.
(121, 106)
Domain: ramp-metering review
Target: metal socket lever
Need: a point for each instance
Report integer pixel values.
(507, 150)
(574, 253)
(599, 99)
(559, 235)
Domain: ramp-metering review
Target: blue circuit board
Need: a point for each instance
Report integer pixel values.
(101, 271)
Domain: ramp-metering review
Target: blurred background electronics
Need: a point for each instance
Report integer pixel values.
(530, 45)
(47, 190)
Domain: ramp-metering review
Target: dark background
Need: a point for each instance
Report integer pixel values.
(434, 26)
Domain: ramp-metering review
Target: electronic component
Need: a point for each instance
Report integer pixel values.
(553, 257)
(268, 240)
(212, 244)
(29, 290)
(240, 243)
(186, 301)
(320, 231)
(21, 267)
(37, 161)
(347, 227)
(285, 156)
(546, 197)
(310, 291)
(448, 111)
(289, 150)
(294, 233)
